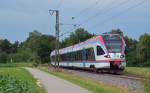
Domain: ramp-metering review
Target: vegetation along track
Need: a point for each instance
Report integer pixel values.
(131, 83)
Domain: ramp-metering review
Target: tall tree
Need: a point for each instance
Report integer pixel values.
(40, 44)
(143, 50)
(3, 57)
(130, 51)
(5, 46)
(15, 47)
(75, 37)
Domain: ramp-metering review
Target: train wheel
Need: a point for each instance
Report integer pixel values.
(101, 71)
(93, 69)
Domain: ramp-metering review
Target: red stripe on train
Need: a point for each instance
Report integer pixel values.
(113, 60)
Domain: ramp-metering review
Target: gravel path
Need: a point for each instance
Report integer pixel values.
(54, 84)
(131, 84)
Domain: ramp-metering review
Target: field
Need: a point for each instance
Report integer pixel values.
(18, 80)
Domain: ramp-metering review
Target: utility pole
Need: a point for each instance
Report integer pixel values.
(57, 38)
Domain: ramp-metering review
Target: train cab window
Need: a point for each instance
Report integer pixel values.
(100, 51)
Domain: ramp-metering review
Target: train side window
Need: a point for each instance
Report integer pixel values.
(52, 58)
(71, 56)
(100, 51)
(80, 55)
(90, 54)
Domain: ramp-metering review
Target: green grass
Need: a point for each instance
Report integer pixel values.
(21, 77)
(89, 84)
(20, 64)
(146, 86)
(140, 72)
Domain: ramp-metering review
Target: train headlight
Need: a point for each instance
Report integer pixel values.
(107, 56)
(122, 56)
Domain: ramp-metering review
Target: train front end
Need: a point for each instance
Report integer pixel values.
(115, 46)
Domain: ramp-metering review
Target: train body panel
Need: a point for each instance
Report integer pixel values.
(101, 52)
(85, 64)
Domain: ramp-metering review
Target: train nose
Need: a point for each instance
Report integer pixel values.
(115, 55)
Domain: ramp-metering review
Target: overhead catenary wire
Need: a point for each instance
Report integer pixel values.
(114, 16)
(84, 11)
(59, 4)
(97, 2)
(106, 10)
(117, 15)
(87, 8)
(67, 32)
(70, 30)
(122, 3)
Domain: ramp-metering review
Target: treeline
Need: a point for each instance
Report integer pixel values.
(37, 47)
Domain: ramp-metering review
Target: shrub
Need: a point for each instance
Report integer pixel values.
(3, 57)
(11, 84)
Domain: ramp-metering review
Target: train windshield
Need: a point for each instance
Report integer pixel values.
(113, 43)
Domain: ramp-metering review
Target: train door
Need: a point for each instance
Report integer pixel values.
(84, 57)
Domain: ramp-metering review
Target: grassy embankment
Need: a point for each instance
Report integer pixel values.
(89, 84)
(140, 72)
(20, 64)
(18, 80)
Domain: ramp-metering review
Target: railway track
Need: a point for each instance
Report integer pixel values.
(111, 74)
(129, 77)
(132, 83)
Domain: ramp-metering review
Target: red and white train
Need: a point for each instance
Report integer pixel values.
(103, 52)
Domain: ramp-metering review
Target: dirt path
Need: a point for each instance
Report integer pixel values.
(54, 84)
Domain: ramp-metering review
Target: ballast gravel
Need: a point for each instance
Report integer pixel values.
(133, 85)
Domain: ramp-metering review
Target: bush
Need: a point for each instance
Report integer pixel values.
(22, 57)
(11, 84)
(3, 57)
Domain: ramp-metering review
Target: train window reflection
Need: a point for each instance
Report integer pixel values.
(100, 51)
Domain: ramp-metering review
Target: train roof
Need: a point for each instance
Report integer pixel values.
(79, 46)
(96, 40)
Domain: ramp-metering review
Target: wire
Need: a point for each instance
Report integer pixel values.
(112, 17)
(82, 12)
(59, 4)
(70, 24)
(66, 32)
(87, 8)
(106, 11)
(94, 4)
(71, 30)
(98, 13)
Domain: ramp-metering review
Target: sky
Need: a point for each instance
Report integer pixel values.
(19, 17)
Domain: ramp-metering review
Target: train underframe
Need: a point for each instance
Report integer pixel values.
(114, 68)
